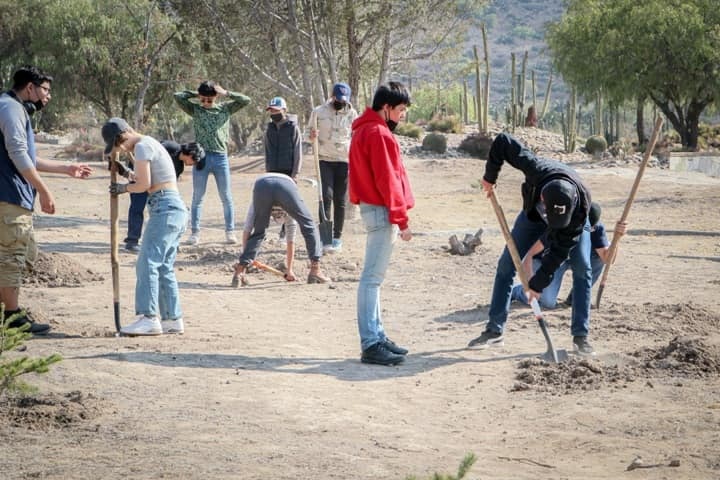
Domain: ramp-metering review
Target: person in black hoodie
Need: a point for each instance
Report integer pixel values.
(555, 200)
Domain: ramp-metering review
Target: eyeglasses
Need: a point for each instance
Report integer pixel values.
(43, 88)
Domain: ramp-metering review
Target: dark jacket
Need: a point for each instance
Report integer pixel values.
(538, 172)
(283, 148)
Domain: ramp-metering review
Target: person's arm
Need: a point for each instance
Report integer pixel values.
(237, 100)
(297, 152)
(382, 150)
(527, 262)
(604, 252)
(183, 100)
(75, 170)
(142, 177)
(47, 201)
(311, 125)
(560, 242)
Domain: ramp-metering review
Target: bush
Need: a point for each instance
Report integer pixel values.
(435, 142)
(596, 145)
(409, 130)
(476, 145)
(451, 124)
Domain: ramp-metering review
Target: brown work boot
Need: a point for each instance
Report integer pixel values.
(315, 276)
(239, 276)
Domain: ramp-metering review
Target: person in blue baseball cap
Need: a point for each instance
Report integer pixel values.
(331, 123)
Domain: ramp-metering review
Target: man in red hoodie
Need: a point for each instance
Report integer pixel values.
(379, 184)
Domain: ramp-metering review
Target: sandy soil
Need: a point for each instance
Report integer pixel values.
(266, 382)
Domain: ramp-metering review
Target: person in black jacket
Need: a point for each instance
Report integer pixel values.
(283, 141)
(555, 200)
(187, 154)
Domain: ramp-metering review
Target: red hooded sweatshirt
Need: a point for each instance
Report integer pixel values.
(377, 174)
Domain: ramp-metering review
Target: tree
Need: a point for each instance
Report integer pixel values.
(664, 50)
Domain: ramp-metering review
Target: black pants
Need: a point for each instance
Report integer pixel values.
(334, 177)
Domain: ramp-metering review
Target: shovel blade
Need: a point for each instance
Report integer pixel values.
(555, 356)
(326, 232)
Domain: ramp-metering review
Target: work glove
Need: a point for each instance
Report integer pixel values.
(118, 188)
(122, 170)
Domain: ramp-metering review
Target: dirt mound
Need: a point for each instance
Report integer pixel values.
(683, 356)
(54, 269)
(214, 255)
(48, 411)
(688, 357)
(575, 374)
(658, 320)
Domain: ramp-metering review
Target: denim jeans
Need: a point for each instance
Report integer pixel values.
(136, 217)
(156, 290)
(218, 165)
(381, 236)
(526, 233)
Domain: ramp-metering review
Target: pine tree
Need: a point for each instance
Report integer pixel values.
(10, 339)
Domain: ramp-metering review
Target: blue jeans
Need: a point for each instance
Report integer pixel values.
(136, 217)
(156, 290)
(381, 236)
(218, 165)
(526, 233)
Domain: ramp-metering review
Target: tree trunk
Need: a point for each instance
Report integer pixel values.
(640, 121)
(687, 123)
(354, 46)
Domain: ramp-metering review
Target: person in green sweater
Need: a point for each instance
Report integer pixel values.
(210, 122)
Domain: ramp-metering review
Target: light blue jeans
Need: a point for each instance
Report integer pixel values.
(218, 165)
(525, 233)
(156, 290)
(381, 236)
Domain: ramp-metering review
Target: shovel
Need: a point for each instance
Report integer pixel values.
(114, 226)
(325, 226)
(626, 211)
(551, 355)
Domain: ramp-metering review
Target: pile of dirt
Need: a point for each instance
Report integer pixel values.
(48, 411)
(58, 270)
(658, 320)
(573, 375)
(683, 356)
(213, 255)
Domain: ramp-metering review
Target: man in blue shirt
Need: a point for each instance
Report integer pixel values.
(20, 182)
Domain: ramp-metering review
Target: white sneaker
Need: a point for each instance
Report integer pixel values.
(231, 238)
(193, 239)
(144, 325)
(173, 326)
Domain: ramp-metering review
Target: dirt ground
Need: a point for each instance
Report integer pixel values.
(267, 383)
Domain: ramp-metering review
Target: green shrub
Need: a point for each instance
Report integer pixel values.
(409, 130)
(450, 124)
(476, 145)
(596, 145)
(435, 142)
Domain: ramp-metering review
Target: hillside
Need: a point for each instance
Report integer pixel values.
(515, 27)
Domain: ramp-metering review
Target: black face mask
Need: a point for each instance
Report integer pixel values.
(277, 117)
(392, 124)
(339, 105)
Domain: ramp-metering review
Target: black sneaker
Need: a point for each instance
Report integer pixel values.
(380, 355)
(35, 328)
(582, 346)
(132, 247)
(395, 348)
(488, 339)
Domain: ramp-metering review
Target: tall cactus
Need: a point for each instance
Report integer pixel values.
(569, 123)
(486, 103)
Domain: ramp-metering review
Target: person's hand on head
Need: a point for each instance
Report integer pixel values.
(220, 90)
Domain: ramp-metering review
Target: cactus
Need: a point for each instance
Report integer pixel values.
(435, 142)
(596, 145)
